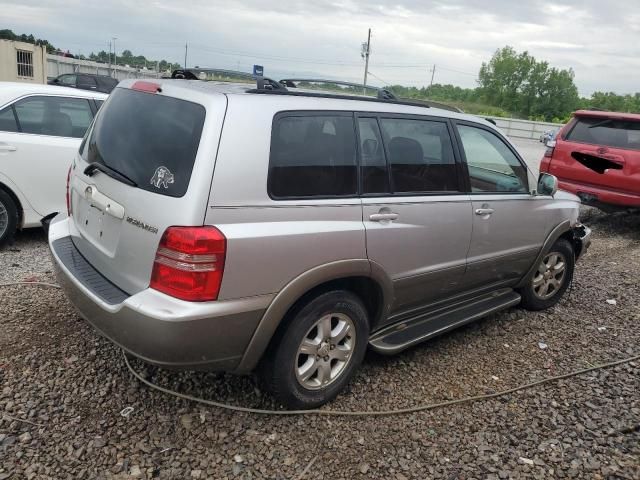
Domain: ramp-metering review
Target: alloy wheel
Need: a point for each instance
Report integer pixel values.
(4, 219)
(325, 351)
(550, 275)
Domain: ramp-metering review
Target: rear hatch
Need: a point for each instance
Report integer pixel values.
(146, 164)
(600, 150)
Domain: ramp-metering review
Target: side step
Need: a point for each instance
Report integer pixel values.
(407, 333)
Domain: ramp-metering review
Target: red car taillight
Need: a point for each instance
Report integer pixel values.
(68, 191)
(189, 263)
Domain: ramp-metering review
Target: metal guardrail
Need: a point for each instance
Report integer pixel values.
(57, 65)
(513, 127)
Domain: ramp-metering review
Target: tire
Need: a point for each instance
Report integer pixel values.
(295, 377)
(549, 282)
(8, 218)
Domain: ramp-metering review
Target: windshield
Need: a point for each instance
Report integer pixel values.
(148, 138)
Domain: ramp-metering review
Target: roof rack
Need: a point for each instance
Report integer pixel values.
(262, 83)
(382, 93)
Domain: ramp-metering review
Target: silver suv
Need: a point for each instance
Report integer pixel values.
(272, 228)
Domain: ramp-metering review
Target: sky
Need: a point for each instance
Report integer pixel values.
(599, 40)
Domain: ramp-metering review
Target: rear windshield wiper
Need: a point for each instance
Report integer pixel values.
(602, 123)
(94, 167)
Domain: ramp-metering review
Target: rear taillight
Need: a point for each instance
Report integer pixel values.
(68, 196)
(189, 263)
(551, 145)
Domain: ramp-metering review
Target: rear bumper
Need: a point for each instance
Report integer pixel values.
(153, 326)
(598, 196)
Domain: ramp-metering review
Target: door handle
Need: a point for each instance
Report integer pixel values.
(382, 217)
(484, 211)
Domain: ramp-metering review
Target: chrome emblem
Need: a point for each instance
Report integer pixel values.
(140, 224)
(162, 178)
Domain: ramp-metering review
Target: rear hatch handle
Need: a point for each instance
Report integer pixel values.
(94, 167)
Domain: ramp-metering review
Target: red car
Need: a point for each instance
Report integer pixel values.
(597, 157)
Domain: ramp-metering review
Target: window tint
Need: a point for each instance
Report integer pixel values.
(606, 132)
(492, 165)
(99, 103)
(420, 155)
(313, 156)
(85, 81)
(375, 178)
(8, 120)
(55, 116)
(151, 139)
(68, 80)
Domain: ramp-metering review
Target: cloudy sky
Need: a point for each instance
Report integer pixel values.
(599, 39)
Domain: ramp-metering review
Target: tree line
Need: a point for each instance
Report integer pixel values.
(517, 84)
(511, 83)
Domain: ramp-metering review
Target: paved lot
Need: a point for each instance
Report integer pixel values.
(531, 150)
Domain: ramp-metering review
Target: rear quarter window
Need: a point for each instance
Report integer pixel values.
(149, 138)
(312, 155)
(606, 132)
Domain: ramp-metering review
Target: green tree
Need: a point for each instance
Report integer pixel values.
(517, 82)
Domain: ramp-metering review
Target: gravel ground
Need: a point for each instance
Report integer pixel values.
(56, 372)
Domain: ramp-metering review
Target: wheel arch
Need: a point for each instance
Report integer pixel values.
(360, 276)
(9, 191)
(562, 230)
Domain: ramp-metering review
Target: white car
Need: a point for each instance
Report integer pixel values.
(41, 127)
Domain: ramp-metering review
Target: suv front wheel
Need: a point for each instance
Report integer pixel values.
(317, 353)
(551, 278)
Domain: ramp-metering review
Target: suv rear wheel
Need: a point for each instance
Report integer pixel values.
(317, 353)
(551, 278)
(8, 217)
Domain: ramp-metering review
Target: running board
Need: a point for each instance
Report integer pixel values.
(407, 333)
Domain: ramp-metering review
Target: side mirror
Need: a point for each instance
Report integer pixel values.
(547, 184)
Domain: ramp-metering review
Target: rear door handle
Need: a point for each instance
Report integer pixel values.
(382, 217)
(484, 211)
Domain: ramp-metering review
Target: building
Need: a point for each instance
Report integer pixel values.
(25, 62)
(22, 62)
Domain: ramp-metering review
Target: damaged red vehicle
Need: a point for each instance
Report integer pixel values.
(597, 157)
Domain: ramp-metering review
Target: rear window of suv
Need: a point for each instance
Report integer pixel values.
(606, 132)
(150, 139)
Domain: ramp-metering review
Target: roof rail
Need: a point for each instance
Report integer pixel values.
(262, 83)
(338, 96)
(382, 94)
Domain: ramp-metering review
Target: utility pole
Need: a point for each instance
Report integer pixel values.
(366, 50)
(185, 55)
(110, 72)
(115, 55)
(433, 73)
